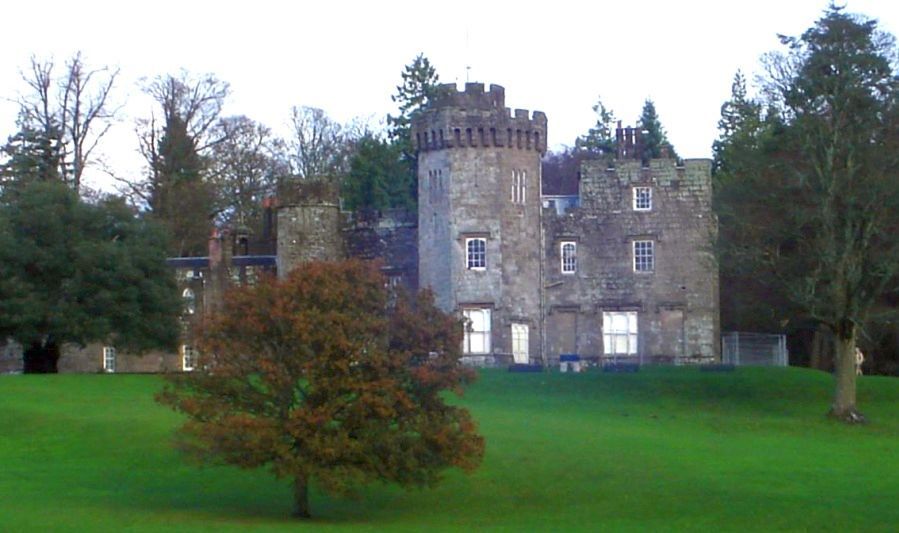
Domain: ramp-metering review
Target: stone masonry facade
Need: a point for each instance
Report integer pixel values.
(620, 269)
(624, 272)
(479, 237)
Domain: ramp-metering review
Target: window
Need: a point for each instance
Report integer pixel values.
(519, 186)
(477, 331)
(642, 198)
(436, 184)
(476, 253)
(108, 359)
(190, 301)
(568, 252)
(643, 256)
(188, 357)
(520, 343)
(619, 333)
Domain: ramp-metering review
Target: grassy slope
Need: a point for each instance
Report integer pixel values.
(667, 448)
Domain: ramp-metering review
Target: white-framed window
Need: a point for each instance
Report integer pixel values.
(188, 357)
(519, 186)
(619, 332)
(520, 343)
(568, 254)
(642, 198)
(476, 253)
(644, 256)
(477, 330)
(190, 301)
(109, 359)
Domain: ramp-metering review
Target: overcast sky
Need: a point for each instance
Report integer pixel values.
(346, 57)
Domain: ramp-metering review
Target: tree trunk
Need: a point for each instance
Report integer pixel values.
(843, 407)
(41, 358)
(818, 347)
(301, 497)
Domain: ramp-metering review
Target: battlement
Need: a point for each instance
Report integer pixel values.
(473, 97)
(475, 118)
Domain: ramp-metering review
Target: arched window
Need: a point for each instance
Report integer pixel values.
(476, 253)
(190, 301)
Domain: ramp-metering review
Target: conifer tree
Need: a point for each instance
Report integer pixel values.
(420, 81)
(655, 141)
(821, 175)
(599, 140)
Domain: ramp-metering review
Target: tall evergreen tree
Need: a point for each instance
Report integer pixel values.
(825, 175)
(420, 81)
(29, 156)
(178, 190)
(655, 142)
(599, 141)
(741, 121)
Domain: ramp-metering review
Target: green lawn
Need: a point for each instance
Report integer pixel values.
(664, 449)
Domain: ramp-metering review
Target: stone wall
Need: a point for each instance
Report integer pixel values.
(308, 232)
(391, 237)
(472, 152)
(676, 303)
(11, 361)
(90, 360)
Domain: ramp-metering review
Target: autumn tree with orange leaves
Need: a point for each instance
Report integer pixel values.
(322, 376)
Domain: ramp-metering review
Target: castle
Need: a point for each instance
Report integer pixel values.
(619, 268)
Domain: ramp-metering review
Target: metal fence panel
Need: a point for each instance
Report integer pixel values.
(754, 349)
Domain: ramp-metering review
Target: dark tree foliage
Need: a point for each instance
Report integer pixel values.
(599, 141)
(29, 156)
(318, 378)
(821, 172)
(378, 178)
(182, 199)
(420, 82)
(742, 124)
(178, 190)
(73, 272)
(655, 142)
(749, 301)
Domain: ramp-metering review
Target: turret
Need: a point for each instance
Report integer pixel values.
(476, 118)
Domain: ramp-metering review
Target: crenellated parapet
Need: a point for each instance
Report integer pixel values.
(476, 118)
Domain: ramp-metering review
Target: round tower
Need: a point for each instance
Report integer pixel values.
(479, 217)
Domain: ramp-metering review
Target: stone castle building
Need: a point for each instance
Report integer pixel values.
(620, 268)
(613, 264)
